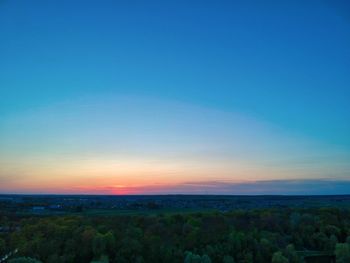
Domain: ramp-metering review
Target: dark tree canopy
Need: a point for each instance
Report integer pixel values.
(267, 235)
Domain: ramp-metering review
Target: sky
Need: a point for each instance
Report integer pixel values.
(174, 97)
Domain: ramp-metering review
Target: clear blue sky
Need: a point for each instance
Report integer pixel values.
(279, 68)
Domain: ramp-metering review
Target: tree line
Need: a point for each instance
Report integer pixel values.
(244, 236)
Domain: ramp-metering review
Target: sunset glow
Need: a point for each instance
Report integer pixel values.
(142, 104)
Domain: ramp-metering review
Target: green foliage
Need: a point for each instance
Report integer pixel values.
(262, 236)
(2, 246)
(342, 253)
(205, 259)
(99, 245)
(102, 259)
(291, 254)
(278, 257)
(194, 258)
(228, 259)
(348, 240)
(23, 260)
(333, 240)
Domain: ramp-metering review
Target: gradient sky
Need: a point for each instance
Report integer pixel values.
(157, 97)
